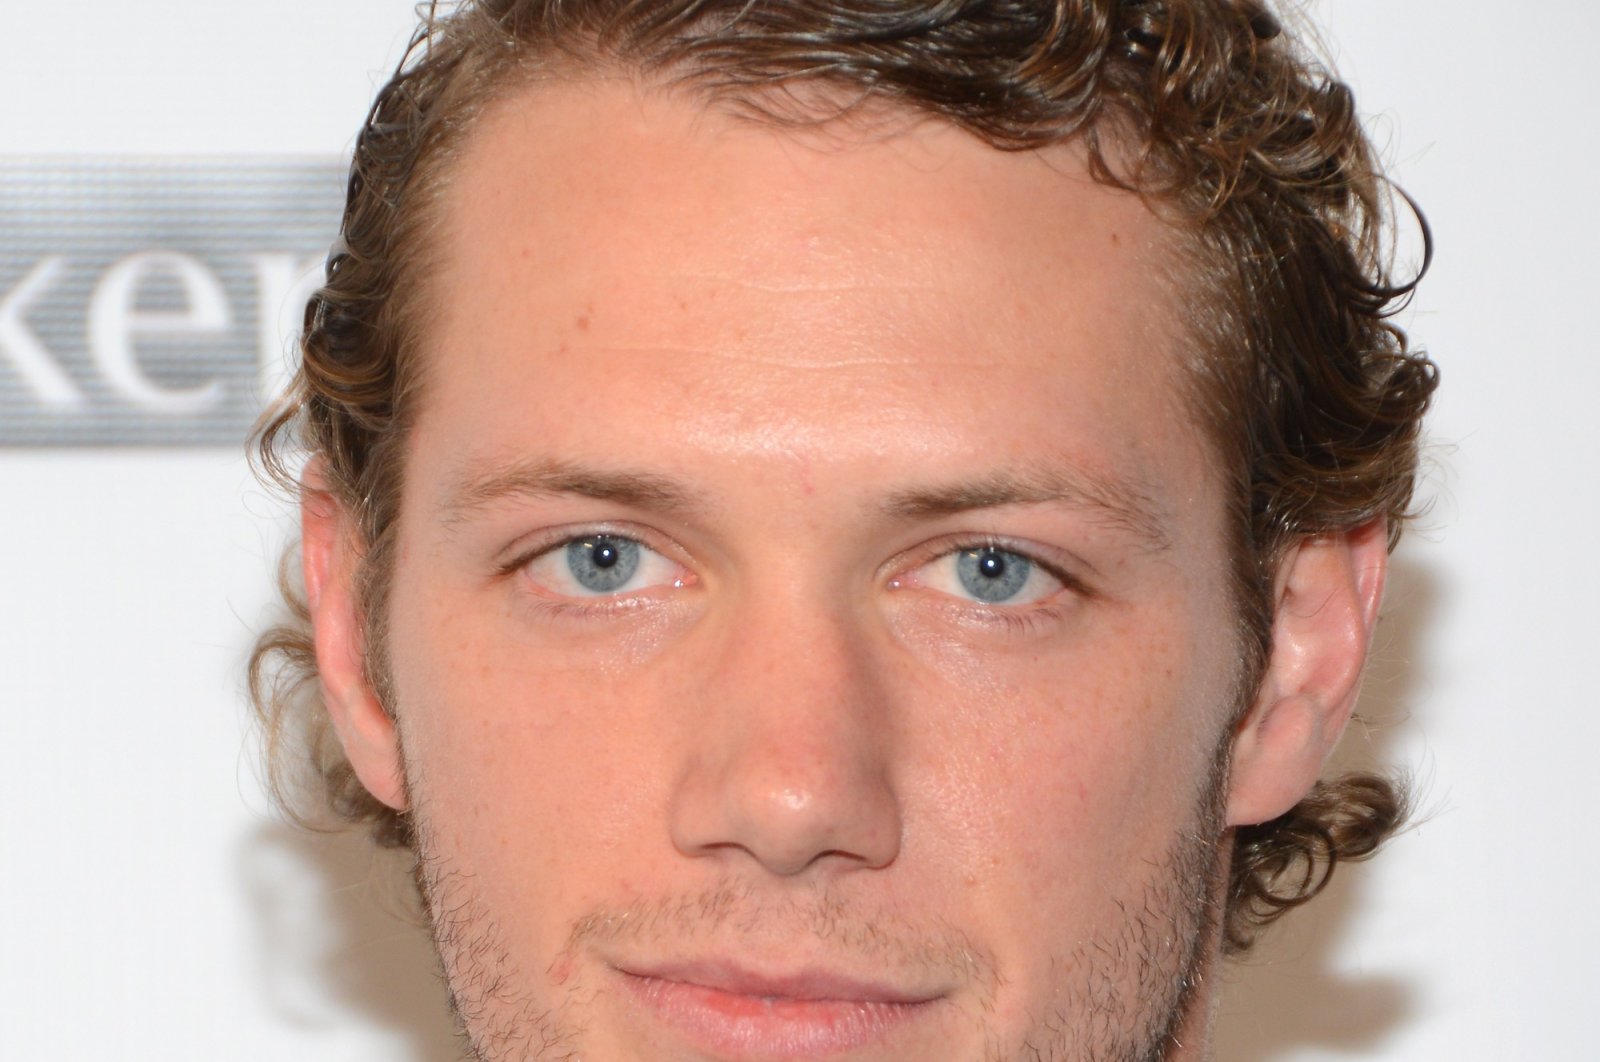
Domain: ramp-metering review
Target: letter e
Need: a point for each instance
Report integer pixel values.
(115, 322)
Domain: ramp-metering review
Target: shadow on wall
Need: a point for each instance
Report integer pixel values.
(1289, 998)
(341, 941)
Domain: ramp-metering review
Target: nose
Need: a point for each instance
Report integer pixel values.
(789, 765)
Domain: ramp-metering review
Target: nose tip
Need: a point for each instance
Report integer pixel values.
(791, 767)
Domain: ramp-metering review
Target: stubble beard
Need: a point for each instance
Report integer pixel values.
(1126, 994)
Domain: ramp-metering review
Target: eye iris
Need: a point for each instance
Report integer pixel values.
(992, 575)
(602, 563)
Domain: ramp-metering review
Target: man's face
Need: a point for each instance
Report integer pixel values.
(809, 632)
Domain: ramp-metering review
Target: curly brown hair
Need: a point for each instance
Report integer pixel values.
(1225, 126)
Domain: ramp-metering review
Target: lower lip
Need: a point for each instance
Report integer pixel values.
(736, 1026)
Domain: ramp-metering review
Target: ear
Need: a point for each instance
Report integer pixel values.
(1326, 603)
(329, 556)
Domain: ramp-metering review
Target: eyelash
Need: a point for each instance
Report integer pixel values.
(1019, 621)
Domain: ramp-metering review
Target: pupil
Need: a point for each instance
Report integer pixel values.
(604, 554)
(991, 564)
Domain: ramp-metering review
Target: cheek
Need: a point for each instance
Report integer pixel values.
(1077, 765)
(530, 770)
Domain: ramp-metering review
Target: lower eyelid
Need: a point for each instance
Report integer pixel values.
(989, 620)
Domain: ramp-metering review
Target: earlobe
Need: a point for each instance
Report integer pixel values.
(1328, 592)
(329, 557)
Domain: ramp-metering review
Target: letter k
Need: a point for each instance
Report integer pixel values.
(48, 381)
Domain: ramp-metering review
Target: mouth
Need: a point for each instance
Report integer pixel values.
(733, 1013)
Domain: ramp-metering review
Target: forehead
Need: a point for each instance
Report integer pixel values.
(670, 271)
(596, 181)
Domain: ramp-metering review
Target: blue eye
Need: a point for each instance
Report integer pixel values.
(602, 564)
(991, 575)
(988, 575)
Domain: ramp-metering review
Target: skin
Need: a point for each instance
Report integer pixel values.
(793, 792)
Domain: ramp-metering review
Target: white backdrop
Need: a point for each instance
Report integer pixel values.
(154, 909)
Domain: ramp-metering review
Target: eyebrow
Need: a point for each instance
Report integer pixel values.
(1117, 503)
(541, 478)
(1120, 504)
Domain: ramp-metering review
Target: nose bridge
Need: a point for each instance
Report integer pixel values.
(791, 760)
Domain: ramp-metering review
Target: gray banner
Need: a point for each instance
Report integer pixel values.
(153, 302)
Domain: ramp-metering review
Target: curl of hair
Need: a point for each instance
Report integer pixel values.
(1283, 863)
(1223, 125)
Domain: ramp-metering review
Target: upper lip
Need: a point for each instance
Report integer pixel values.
(808, 985)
